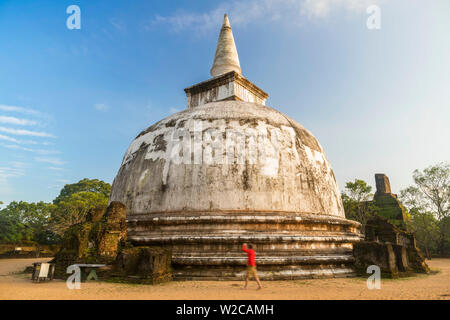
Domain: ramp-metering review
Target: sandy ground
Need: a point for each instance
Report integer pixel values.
(16, 285)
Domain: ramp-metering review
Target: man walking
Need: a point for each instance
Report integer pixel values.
(251, 265)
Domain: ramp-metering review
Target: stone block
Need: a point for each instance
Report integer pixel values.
(95, 241)
(369, 253)
(389, 247)
(148, 265)
(382, 183)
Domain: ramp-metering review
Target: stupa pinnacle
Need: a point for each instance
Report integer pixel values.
(227, 82)
(226, 58)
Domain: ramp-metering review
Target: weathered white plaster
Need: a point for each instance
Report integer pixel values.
(228, 155)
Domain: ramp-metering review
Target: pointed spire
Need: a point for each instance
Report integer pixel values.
(226, 58)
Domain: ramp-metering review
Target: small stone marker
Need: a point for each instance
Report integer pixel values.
(42, 271)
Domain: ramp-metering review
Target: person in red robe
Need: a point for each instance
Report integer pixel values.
(251, 265)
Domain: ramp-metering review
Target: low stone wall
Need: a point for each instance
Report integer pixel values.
(146, 265)
(392, 249)
(9, 251)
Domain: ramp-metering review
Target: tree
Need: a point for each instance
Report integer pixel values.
(43, 222)
(431, 196)
(11, 230)
(85, 185)
(357, 201)
(425, 227)
(26, 221)
(75, 201)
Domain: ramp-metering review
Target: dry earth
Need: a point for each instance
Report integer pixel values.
(16, 285)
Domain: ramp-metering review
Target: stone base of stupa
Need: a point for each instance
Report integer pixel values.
(207, 246)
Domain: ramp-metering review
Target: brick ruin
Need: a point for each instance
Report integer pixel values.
(102, 239)
(387, 242)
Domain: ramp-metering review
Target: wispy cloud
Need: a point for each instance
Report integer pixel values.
(323, 8)
(14, 170)
(17, 121)
(19, 109)
(54, 161)
(63, 180)
(101, 107)
(40, 118)
(58, 169)
(10, 139)
(20, 164)
(118, 24)
(23, 132)
(11, 172)
(38, 151)
(14, 140)
(14, 137)
(244, 12)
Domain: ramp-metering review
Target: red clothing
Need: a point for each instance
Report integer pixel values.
(251, 256)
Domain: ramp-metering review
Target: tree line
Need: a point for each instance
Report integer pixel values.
(427, 201)
(45, 223)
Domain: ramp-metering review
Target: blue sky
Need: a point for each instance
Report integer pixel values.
(71, 101)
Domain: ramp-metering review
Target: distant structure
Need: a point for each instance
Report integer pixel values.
(382, 183)
(387, 202)
(229, 170)
(387, 242)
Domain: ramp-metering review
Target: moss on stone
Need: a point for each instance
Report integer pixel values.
(103, 241)
(93, 242)
(146, 265)
(389, 247)
(391, 208)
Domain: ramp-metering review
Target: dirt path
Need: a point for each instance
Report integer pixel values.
(8, 266)
(19, 286)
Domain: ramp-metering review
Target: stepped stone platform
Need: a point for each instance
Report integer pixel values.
(288, 246)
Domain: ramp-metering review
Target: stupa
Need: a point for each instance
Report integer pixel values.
(229, 170)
